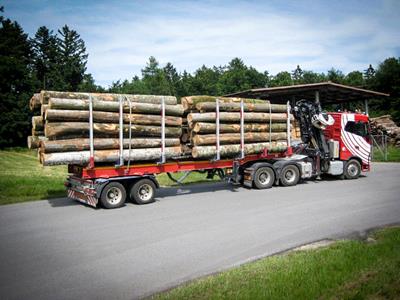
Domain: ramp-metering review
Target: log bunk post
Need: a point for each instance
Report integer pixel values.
(218, 156)
(162, 160)
(241, 129)
(91, 159)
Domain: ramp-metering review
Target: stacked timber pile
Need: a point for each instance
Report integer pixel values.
(37, 123)
(66, 127)
(385, 125)
(264, 126)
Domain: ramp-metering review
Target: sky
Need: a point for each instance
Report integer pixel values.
(276, 36)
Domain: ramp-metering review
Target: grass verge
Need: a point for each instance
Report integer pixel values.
(23, 178)
(393, 154)
(345, 270)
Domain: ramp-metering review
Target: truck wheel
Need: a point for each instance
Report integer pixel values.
(290, 175)
(142, 191)
(352, 169)
(113, 195)
(264, 178)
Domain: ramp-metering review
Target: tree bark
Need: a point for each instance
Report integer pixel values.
(232, 150)
(37, 132)
(43, 109)
(234, 138)
(112, 106)
(110, 156)
(34, 141)
(54, 115)
(234, 106)
(46, 95)
(235, 117)
(189, 103)
(103, 144)
(201, 127)
(54, 130)
(34, 102)
(37, 123)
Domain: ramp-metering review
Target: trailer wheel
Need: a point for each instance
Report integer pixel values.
(352, 169)
(113, 195)
(264, 178)
(142, 191)
(290, 175)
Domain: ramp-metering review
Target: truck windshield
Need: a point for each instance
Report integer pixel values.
(358, 128)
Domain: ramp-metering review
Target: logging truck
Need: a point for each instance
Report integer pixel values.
(334, 143)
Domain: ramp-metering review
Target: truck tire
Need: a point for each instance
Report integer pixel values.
(290, 175)
(264, 178)
(352, 169)
(143, 191)
(113, 195)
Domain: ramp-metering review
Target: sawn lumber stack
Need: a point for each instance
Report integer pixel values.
(61, 127)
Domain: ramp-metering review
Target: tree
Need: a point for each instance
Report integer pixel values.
(173, 79)
(88, 85)
(312, 77)
(369, 73)
(46, 56)
(297, 75)
(206, 81)
(354, 78)
(15, 83)
(154, 78)
(281, 79)
(336, 76)
(73, 58)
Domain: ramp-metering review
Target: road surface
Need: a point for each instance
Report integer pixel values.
(60, 249)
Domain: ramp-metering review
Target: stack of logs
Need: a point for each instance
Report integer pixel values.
(61, 131)
(265, 126)
(384, 125)
(61, 128)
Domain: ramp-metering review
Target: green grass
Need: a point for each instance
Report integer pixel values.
(23, 178)
(345, 270)
(393, 154)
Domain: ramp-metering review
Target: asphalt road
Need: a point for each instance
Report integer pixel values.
(60, 249)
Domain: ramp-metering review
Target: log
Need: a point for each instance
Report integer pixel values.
(234, 138)
(34, 102)
(112, 106)
(103, 144)
(189, 103)
(201, 127)
(252, 117)
(34, 141)
(54, 115)
(109, 156)
(232, 150)
(46, 95)
(43, 109)
(37, 123)
(53, 130)
(37, 132)
(250, 107)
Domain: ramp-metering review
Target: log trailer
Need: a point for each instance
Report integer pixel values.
(331, 143)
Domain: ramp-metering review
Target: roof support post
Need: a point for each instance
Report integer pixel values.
(316, 97)
(366, 107)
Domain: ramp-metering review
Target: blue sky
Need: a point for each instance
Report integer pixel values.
(120, 36)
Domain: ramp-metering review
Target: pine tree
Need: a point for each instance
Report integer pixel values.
(297, 75)
(46, 57)
(173, 78)
(369, 73)
(15, 84)
(154, 78)
(73, 58)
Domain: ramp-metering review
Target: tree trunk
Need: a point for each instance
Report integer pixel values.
(37, 123)
(34, 141)
(103, 144)
(109, 156)
(34, 103)
(232, 150)
(54, 130)
(112, 106)
(189, 103)
(234, 138)
(201, 127)
(233, 106)
(46, 95)
(54, 115)
(235, 117)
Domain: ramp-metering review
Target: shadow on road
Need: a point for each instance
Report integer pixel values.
(62, 202)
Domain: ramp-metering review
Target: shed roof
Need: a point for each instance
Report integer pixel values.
(329, 92)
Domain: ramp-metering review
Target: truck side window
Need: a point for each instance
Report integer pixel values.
(358, 128)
